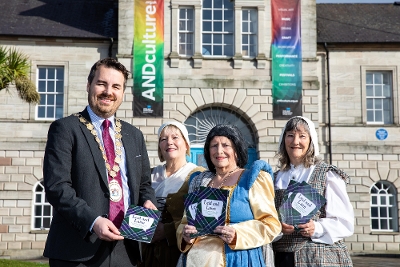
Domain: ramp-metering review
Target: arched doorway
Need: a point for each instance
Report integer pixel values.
(201, 122)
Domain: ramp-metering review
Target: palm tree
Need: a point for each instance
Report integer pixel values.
(14, 69)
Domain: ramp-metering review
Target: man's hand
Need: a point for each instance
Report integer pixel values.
(149, 205)
(106, 230)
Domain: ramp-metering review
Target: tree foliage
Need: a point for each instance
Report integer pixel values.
(14, 70)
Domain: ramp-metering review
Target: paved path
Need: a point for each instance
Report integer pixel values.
(358, 261)
(361, 261)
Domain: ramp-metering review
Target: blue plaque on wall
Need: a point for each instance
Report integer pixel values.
(381, 134)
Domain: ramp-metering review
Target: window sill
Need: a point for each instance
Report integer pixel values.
(384, 233)
(39, 232)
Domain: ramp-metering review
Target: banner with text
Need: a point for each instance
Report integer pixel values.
(148, 58)
(286, 58)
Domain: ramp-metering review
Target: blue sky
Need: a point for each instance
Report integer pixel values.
(356, 1)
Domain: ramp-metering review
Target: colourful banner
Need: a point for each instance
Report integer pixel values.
(286, 58)
(148, 58)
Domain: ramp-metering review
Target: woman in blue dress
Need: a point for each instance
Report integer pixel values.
(251, 218)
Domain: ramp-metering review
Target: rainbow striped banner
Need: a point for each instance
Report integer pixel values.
(286, 59)
(148, 58)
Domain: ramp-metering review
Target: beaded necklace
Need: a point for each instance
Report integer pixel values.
(224, 180)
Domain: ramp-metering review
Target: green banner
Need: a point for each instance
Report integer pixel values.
(148, 58)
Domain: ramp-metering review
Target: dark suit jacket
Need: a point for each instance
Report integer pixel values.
(76, 185)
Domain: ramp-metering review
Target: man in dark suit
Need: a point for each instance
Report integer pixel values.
(89, 188)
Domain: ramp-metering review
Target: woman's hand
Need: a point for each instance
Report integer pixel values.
(287, 229)
(187, 230)
(226, 233)
(307, 229)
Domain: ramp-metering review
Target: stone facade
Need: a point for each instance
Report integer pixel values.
(239, 84)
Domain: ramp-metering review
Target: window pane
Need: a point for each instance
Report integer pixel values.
(374, 212)
(42, 73)
(42, 86)
(253, 40)
(386, 91)
(206, 50)
(41, 111)
(59, 113)
(375, 224)
(228, 15)
(373, 199)
(228, 39)
(245, 39)
(38, 222)
(42, 99)
(207, 14)
(46, 210)
(190, 25)
(391, 200)
(245, 15)
(370, 103)
(217, 14)
(207, 26)
(378, 90)
(229, 26)
(60, 73)
(207, 3)
(370, 90)
(384, 225)
(218, 3)
(229, 50)
(38, 210)
(51, 73)
(378, 104)
(217, 38)
(217, 50)
(383, 212)
(46, 222)
(50, 99)
(50, 112)
(253, 26)
(378, 78)
(207, 38)
(378, 116)
(217, 27)
(59, 86)
(383, 200)
(50, 86)
(369, 77)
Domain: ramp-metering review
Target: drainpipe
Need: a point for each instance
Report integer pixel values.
(110, 47)
(329, 103)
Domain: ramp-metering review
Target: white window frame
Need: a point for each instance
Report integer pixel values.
(47, 93)
(381, 201)
(43, 204)
(186, 31)
(35, 73)
(249, 50)
(213, 44)
(394, 97)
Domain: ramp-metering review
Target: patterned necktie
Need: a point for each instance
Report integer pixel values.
(116, 208)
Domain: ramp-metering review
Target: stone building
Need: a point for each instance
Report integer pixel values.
(349, 52)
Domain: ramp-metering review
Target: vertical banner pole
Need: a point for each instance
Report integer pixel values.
(286, 59)
(148, 58)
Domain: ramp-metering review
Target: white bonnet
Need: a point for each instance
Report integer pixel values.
(178, 125)
(313, 134)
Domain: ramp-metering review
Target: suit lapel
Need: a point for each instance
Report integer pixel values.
(94, 148)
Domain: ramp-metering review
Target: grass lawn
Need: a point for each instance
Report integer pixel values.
(13, 263)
